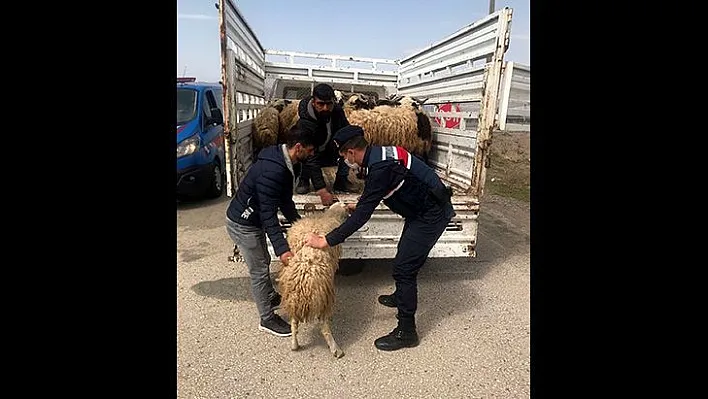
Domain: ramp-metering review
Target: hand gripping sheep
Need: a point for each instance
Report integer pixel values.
(306, 284)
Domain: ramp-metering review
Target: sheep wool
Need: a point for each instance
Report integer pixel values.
(306, 284)
(265, 128)
(392, 125)
(354, 184)
(353, 101)
(288, 117)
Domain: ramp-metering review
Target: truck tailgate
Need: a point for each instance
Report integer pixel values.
(378, 238)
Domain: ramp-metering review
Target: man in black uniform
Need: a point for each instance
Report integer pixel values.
(327, 117)
(409, 188)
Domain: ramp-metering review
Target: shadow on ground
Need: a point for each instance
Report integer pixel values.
(443, 285)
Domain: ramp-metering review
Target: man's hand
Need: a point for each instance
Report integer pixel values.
(325, 196)
(285, 258)
(351, 207)
(316, 241)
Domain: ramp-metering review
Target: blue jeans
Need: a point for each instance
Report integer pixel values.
(251, 243)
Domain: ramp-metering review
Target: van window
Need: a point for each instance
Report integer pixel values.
(206, 107)
(211, 100)
(219, 99)
(186, 105)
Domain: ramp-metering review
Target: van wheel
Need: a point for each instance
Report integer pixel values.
(216, 185)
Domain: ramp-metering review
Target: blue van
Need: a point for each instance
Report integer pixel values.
(201, 163)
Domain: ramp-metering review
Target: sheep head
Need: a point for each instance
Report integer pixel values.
(279, 104)
(397, 100)
(338, 211)
(339, 97)
(414, 102)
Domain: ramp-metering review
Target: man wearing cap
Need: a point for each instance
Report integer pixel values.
(410, 188)
(325, 116)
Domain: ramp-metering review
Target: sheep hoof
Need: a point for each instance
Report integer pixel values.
(294, 347)
(338, 353)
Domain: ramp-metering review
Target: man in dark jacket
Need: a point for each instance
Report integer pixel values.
(410, 188)
(253, 214)
(327, 117)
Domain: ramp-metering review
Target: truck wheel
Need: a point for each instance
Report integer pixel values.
(350, 267)
(216, 185)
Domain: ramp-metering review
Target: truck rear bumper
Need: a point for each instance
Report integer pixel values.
(378, 238)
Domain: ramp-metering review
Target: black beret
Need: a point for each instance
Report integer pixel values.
(347, 133)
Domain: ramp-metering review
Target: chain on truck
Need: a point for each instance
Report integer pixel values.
(459, 75)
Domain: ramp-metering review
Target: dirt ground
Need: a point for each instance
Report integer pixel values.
(473, 319)
(509, 173)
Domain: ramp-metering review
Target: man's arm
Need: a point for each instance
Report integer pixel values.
(314, 166)
(269, 187)
(378, 184)
(289, 210)
(343, 118)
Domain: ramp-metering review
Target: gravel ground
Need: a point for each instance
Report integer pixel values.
(473, 320)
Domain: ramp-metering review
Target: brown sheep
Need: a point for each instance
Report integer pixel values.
(353, 101)
(288, 116)
(306, 284)
(265, 128)
(394, 125)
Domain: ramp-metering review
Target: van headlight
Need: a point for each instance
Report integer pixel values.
(188, 146)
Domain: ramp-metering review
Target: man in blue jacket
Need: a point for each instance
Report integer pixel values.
(253, 214)
(410, 188)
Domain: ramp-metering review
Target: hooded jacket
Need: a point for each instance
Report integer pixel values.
(267, 187)
(325, 150)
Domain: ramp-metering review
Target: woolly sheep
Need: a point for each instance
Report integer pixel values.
(354, 101)
(394, 125)
(265, 128)
(289, 116)
(425, 130)
(306, 284)
(354, 184)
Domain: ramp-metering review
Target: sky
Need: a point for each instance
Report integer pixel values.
(366, 28)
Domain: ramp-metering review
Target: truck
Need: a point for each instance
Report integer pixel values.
(460, 76)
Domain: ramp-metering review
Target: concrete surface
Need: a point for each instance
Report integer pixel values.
(473, 321)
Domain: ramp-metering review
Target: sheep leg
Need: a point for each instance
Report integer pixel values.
(293, 338)
(327, 334)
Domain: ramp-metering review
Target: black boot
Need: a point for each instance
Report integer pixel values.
(388, 300)
(403, 336)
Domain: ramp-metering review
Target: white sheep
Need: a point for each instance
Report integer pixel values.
(395, 125)
(306, 284)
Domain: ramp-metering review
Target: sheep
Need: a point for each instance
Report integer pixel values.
(417, 140)
(425, 130)
(265, 128)
(395, 125)
(354, 184)
(288, 116)
(306, 284)
(353, 101)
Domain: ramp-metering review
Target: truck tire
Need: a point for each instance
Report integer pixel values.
(350, 267)
(216, 184)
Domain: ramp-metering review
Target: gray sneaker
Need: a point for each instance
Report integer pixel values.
(276, 326)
